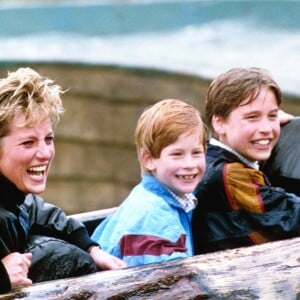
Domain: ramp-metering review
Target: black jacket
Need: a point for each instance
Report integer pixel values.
(4, 280)
(283, 167)
(238, 207)
(22, 216)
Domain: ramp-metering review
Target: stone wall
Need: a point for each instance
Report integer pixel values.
(96, 164)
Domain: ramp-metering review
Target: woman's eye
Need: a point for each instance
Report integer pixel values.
(50, 139)
(28, 143)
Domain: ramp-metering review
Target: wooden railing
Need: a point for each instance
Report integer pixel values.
(266, 272)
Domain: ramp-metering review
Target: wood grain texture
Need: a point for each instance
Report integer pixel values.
(269, 271)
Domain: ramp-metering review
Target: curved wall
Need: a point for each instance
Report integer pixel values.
(96, 164)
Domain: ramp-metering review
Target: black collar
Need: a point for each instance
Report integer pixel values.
(10, 196)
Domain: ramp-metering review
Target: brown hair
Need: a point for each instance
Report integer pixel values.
(162, 123)
(230, 89)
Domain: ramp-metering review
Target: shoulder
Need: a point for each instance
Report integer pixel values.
(238, 172)
(143, 207)
(285, 155)
(141, 211)
(283, 167)
(33, 199)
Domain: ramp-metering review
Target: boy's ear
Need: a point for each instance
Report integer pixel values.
(218, 124)
(147, 161)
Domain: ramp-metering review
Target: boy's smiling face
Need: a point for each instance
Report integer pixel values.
(252, 129)
(181, 165)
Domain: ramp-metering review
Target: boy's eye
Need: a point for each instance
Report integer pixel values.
(197, 152)
(176, 154)
(274, 116)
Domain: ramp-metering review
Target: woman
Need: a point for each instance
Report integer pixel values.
(30, 106)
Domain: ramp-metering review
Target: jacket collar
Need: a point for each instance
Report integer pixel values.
(247, 162)
(150, 183)
(10, 196)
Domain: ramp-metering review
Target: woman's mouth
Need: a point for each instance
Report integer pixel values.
(37, 170)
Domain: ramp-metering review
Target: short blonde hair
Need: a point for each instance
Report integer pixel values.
(162, 123)
(27, 92)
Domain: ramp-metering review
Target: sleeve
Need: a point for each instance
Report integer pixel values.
(242, 187)
(14, 231)
(5, 285)
(266, 207)
(144, 236)
(139, 249)
(281, 214)
(48, 219)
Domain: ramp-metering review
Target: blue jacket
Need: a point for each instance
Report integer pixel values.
(149, 226)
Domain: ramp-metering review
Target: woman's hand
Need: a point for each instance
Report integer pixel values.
(105, 260)
(17, 266)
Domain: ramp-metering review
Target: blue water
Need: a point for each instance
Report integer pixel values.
(198, 37)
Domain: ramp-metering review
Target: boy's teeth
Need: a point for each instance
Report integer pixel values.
(263, 142)
(188, 176)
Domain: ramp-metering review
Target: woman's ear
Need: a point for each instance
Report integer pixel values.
(218, 125)
(148, 161)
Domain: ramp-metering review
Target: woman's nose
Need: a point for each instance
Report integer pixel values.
(44, 151)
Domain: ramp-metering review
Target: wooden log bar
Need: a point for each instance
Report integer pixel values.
(269, 271)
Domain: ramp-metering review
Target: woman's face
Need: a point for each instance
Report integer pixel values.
(26, 154)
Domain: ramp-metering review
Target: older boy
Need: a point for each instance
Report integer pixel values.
(153, 223)
(237, 205)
